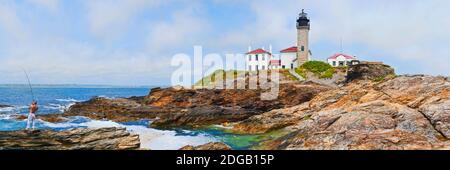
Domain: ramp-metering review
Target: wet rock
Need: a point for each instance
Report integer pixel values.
(3, 106)
(120, 110)
(208, 146)
(52, 118)
(74, 139)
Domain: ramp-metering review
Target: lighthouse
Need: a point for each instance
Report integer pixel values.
(303, 27)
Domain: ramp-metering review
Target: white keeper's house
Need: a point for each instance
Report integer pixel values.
(342, 60)
(261, 59)
(258, 59)
(289, 58)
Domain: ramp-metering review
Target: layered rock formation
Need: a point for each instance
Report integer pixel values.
(208, 146)
(74, 139)
(406, 112)
(187, 107)
(372, 109)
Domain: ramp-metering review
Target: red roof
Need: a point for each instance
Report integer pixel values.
(290, 50)
(339, 54)
(275, 62)
(258, 51)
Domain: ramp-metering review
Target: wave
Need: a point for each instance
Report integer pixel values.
(13, 109)
(60, 107)
(6, 109)
(150, 138)
(107, 97)
(68, 100)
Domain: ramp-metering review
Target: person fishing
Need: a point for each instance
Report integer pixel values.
(32, 115)
(33, 107)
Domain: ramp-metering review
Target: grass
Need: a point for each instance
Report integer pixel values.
(288, 75)
(212, 78)
(318, 68)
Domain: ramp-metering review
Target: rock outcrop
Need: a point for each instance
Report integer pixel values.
(74, 139)
(406, 112)
(194, 107)
(53, 118)
(369, 71)
(3, 106)
(208, 146)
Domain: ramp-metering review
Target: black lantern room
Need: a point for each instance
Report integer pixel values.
(303, 21)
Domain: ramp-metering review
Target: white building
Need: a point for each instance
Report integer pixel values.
(274, 64)
(341, 60)
(258, 60)
(289, 58)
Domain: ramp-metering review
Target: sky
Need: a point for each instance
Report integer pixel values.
(132, 42)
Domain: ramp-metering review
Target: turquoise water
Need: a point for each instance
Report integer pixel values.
(56, 99)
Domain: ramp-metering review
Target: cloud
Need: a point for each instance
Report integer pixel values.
(10, 21)
(413, 37)
(108, 18)
(410, 32)
(51, 5)
(184, 29)
(73, 62)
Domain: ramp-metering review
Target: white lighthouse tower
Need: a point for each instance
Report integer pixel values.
(303, 27)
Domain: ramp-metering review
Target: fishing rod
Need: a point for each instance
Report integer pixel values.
(29, 84)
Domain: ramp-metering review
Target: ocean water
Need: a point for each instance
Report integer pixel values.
(56, 99)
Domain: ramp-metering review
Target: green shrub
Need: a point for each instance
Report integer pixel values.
(318, 68)
(328, 74)
(301, 71)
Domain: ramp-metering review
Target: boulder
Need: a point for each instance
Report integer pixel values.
(73, 139)
(53, 118)
(369, 71)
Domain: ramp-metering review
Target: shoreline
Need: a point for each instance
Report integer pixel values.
(318, 113)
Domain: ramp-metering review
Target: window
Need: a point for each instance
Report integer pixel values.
(341, 63)
(334, 63)
(256, 57)
(292, 66)
(349, 63)
(249, 57)
(303, 48)
(249, 68)
(256, 67)
(263, 57)
(263, 67)
(283, 67)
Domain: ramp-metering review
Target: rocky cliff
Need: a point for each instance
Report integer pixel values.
(171, 107)
(74, 139)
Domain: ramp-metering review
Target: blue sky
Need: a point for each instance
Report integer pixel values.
(132, 42)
